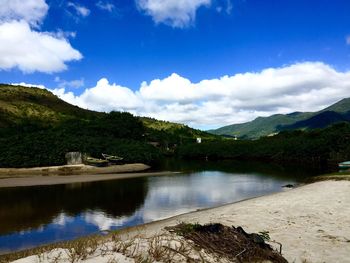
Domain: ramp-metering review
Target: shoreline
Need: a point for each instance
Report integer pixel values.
(71, 170)
(310, 221)
(85, 174)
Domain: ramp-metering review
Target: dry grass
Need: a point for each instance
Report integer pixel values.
(231, 243)
(162, 248)
(184, 245)
(76, 247)
(345, 176)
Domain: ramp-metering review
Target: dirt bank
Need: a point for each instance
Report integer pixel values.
(71, 174)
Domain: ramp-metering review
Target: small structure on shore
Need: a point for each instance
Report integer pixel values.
(199, 140)
(112, 158)
(95, 161)
(74, 158)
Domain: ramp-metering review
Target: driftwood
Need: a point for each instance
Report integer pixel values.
(229, 242)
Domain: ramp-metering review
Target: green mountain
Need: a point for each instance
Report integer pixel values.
(37, 129)
(19, 105)
(342, 106)
(265, 126)
(161, 130)
(22, 104)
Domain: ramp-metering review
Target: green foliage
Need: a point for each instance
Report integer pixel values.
(183, 228)
(341, 106)
(265, 235)
(320, 147)
(261, 126)
(37, 129)
(22, 104)
(169, 134)
(116, 133)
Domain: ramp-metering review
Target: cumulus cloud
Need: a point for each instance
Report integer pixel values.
(29, 50)
(79, 9)
(104, 97)
(177, 13)
(32, 11)
(211, 103)
(23, 46)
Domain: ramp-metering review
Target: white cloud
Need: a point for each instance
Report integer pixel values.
(65, 34)
(177, 13)
(104, 97)
(26, 48)
(103, 221)
(62, 219)
(32, 11)
(308, 86)
(107, 6)
(75, 84)
(29, 85)
(29, 50)
(79, 9)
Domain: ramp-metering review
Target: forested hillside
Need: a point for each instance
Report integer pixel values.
(322, 147)
(37, 129)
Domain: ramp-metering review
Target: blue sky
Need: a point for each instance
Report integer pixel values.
(102, 51)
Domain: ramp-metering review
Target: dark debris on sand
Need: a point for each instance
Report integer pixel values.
(229, 242)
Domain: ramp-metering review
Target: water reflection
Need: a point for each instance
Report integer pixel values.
(169, 196)
(38, 215)
(25, 208)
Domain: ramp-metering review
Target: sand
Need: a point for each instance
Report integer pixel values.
(91, 174)
(312, 222)
(71, 170)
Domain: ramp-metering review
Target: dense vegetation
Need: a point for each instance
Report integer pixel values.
(264, 126)
(170, 134)
(116, 133)
(37, 129)
(320, 147)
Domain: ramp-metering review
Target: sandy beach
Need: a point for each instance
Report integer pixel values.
(312, 222)
(26, 177)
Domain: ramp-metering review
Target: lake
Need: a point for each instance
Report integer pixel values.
(32, 216)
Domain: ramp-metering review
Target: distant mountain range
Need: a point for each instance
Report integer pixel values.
(265, 126)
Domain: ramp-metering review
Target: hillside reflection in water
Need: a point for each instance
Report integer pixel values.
(38, 215)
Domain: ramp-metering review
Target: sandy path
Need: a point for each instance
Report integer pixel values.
(59, 179)
(312, 222)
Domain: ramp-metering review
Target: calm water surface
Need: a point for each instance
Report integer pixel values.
(31, 216)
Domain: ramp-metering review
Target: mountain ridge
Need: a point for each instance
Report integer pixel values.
(265, 126)
(19, 105)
